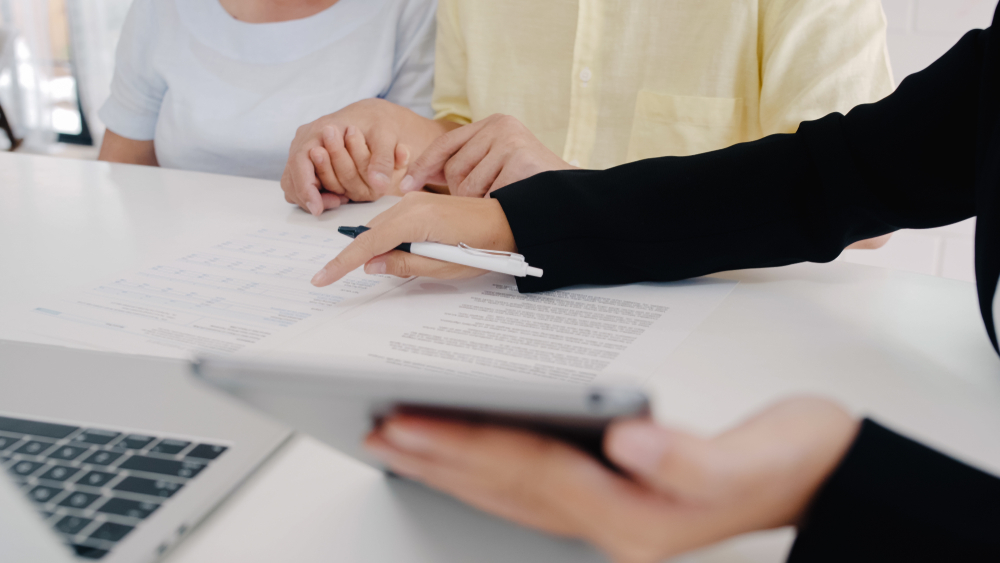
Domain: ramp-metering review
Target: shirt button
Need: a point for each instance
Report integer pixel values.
(574, 162)
(585, 74)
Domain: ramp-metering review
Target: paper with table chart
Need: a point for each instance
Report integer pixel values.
(248, 293)
(485, 328)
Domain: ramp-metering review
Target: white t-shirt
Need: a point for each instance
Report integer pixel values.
(220, 95)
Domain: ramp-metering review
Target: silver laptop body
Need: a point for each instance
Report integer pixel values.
(121, 455)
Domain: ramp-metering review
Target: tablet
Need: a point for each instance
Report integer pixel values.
(341, 405)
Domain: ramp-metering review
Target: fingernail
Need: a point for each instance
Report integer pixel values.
(406, 438)
(375, 267)
(407, 184)
(638, 448)
(319, 279)
(380, 179)
(329, 132)
(351, 129)
(313, 208)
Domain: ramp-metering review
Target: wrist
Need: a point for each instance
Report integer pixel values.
(836, 431)
(503, 238)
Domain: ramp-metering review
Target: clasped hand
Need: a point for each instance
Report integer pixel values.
(363, 152)
(482, 157)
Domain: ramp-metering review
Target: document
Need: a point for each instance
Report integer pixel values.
(484, 328)
(248, 293)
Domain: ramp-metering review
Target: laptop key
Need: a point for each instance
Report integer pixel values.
(170, 447)
(59, 473)
(43, 494)
(151, 487)
(7, 441)
(102, 457)
(130, 508)
(71, 525)
(87, 552)
(134, 442)
(25, 468)
(186, 469)
(79, 500)
(67, 453)
(96, 479)
(34, 447)
(97, 437)
(206, 451)
(42, 429)
(109, 531)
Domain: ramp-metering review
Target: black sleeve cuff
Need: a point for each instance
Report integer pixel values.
(893, 499)
(670, 218)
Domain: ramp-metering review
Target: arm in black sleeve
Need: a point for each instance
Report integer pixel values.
(892, 499)
(925, 156)
(907, 161)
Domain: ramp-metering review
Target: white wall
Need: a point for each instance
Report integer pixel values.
(920, 31)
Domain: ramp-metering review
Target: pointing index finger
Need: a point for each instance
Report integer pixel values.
(384, 236)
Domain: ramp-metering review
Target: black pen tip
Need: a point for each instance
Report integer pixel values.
(352, 232)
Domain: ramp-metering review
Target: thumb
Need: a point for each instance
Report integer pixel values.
(423, 171)
(677, 463)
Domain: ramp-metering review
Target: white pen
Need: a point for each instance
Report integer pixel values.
(492, 260)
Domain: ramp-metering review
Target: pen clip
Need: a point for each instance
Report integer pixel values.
(490, 253)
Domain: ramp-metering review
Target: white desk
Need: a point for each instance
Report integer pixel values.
(908, 348)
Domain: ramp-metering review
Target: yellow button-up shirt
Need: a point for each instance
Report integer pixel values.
(604, 82)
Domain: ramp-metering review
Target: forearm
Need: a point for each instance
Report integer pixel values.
(905, 162)
(116, 148)
(671, 218)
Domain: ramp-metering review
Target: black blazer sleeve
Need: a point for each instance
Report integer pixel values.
(927, 155)
(909, 161)
(893, 499)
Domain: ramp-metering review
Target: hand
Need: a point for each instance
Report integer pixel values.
(481, 157)
(344, 159)
(420, 217)
(383, 127)
(870, 244)
(685, 491)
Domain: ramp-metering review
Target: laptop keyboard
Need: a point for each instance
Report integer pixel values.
(95, 486)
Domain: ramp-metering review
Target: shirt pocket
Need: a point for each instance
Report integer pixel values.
(667, 125)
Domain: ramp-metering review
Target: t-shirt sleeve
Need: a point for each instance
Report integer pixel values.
(818, 58)
(137, 90)
(451, 96)
(413, 70)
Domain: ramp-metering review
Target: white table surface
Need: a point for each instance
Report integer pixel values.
(908, 349)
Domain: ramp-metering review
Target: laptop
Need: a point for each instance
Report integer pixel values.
(121, 456)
